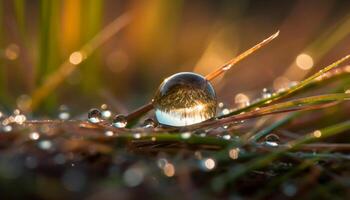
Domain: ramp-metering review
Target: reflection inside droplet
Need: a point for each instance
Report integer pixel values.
(94, 116)
(183, 99)
(120, 121)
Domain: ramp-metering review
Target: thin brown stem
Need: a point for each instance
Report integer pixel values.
(140, 111)
(240, 57)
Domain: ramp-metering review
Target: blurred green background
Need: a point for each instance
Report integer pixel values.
(163, 37)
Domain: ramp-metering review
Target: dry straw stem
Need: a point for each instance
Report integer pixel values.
(240, 57)
(213, 74)
(67, 67)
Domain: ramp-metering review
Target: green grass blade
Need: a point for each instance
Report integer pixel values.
(289, 91)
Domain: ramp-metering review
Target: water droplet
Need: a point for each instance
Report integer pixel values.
(120, 121)
(226, 137)
(266, 93)
(234, 153)
(186, 135)
(162, 162)
(272, 140)
(63, 112)
(7, 128)
(106, 114)
(45, 144)
(137, 135)
(109, 133)
(94, 116)
(133, 176)
(225, 111)
(149, 123)
(242, 100)
(34, 136)
(16, 112)
(208, 164)
(20, 119)
(183, 99)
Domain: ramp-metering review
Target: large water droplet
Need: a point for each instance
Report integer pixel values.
(183, 99)
(120, 121)
(94, 116)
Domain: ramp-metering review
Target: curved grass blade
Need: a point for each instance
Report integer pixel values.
(308, 103)
(220, 181)
(283, 94)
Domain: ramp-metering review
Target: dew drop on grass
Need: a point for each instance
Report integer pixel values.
(106, 113)
(34, 136)
(208, 164)
(109, 133)
(63, 112)
(183, 99)
(45, 144)
(133, 176)
(266, 93)
(149, 123)
(120, 121)
(272, 140)
(225, 111)
(186, 135)
(7, 128)
(226, 137)
(94, 116)
(137, 135)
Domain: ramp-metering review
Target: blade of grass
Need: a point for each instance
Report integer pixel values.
(308, 103)
(6, 100)
(332, 75)
(283, 94)
(91, 24)
(67, 67)
(220, 181)
(20, 15)
(48, 54)
(274, 126)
